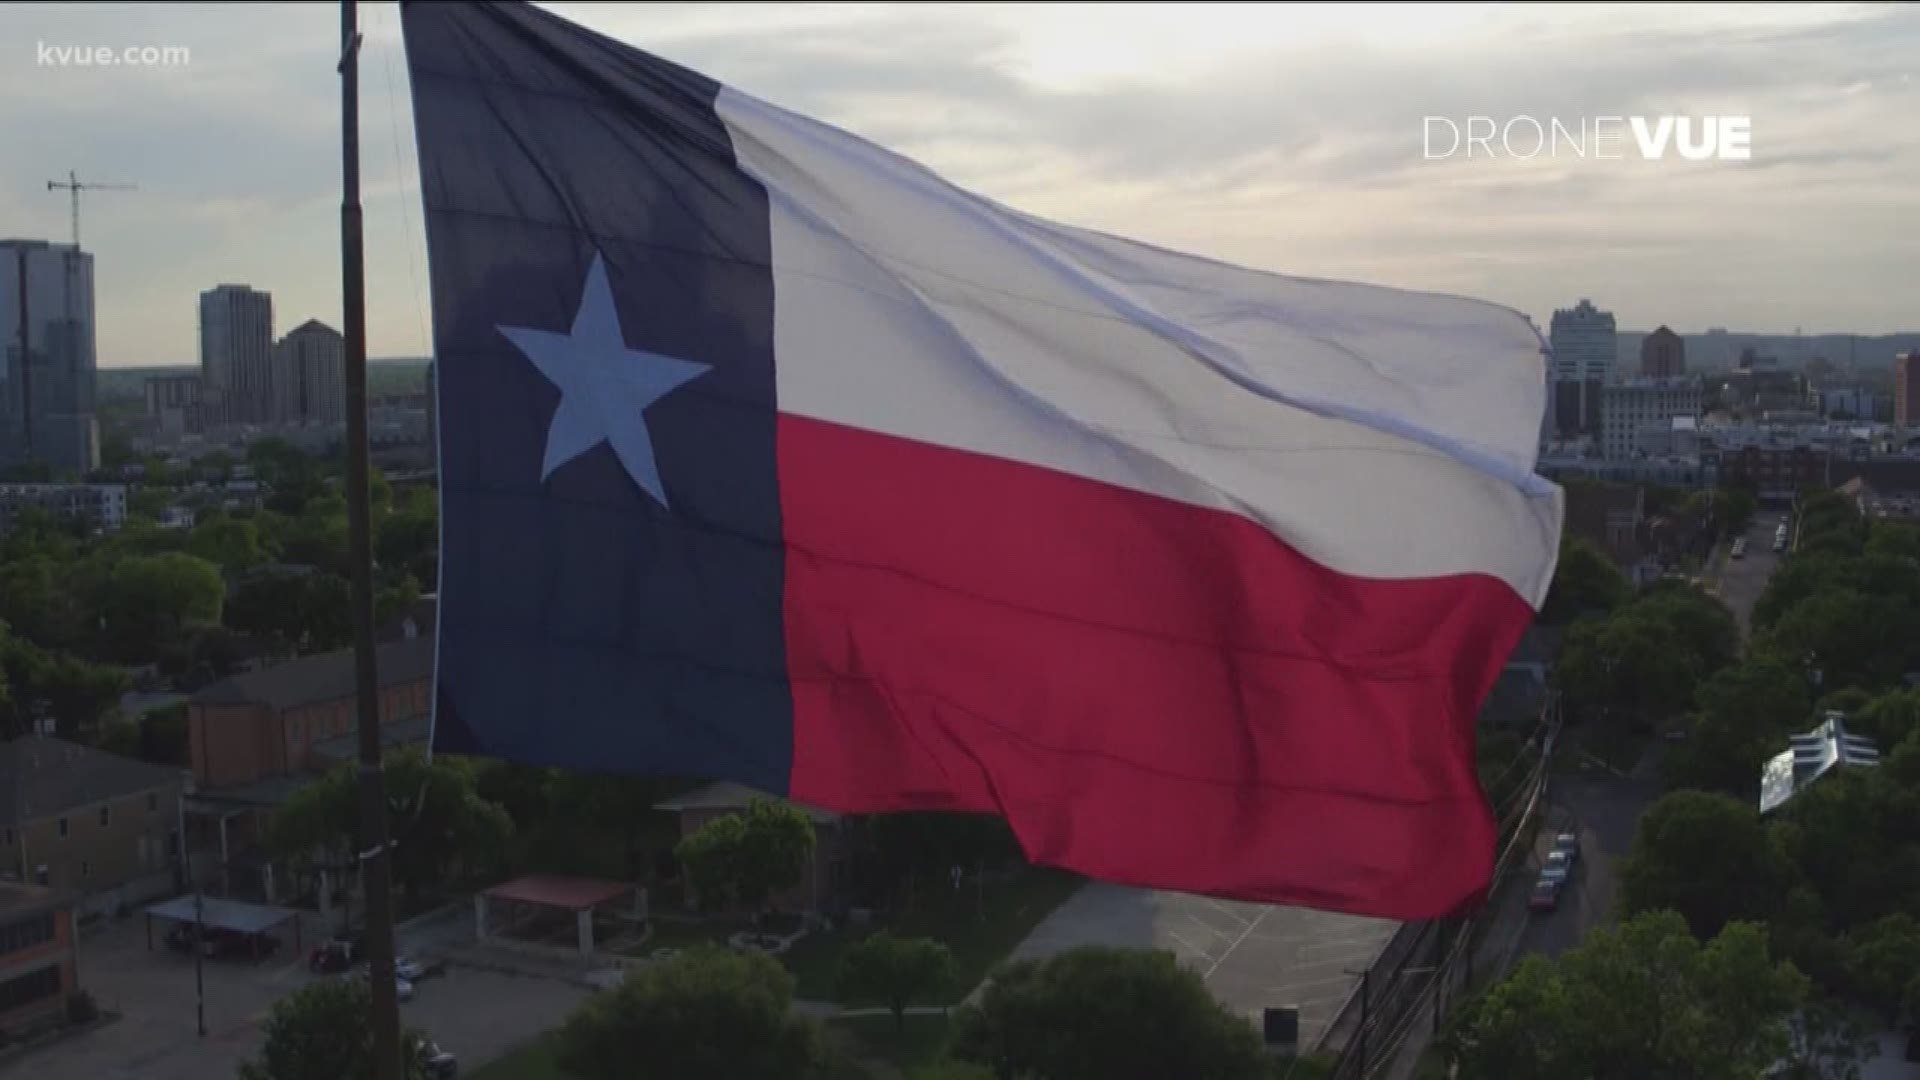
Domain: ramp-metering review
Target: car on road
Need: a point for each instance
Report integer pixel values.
(408, 968)
(402, 989)
(1545, 897)
(436, 1063)
(1568, 843)
(335, 955)
(1558, 868)
(1740, 548)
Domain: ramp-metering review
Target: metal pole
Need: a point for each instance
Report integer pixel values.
(374, 854)
(199, 959)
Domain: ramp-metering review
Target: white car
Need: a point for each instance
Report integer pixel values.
(408, 968)
(402, 989)
(1558, 867)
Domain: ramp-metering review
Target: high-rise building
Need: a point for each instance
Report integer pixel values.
(1635, 405)
(1663, 355)
(173, 403)
(1906, 388)
(46, 330)
(236, 355)
(309, 372)
(1583, 340)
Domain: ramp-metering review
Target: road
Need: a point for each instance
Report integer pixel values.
(1739, 582)
(1603, 810)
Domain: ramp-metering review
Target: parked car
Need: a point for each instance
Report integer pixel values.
(402, 989)
(437, 1063)
(1546, 896)
(408, 968)
(330, 956)
(1558, 868)
(1568, 843)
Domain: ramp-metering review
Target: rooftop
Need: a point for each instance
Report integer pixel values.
(41, 777)
(326, 677)
(727, 795)
(1810, 756)
(548, 890)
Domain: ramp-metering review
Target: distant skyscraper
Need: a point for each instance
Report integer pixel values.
(1583, 339)
(236, 354)
(1663, 355)
(1906, 388)
(46, 327)
(309, 366)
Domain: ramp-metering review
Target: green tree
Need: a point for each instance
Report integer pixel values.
(1746, 713)
(1887, 719)
(151, 600)
(1644, 1000)
(233, 544)
(1705, 856)
(1733, 509)
(707, 1012)
(1849, 637)
(1893, 541)
(1629, 670)
(36, 600)
(440, 824)
(1839, 834)
(748, 858)
(320, 1032)
(1585, 582)
(952, 1070)
(1702, 624)
(1883, 957)
(909, 845)
(897, 972)
(1106, 1014)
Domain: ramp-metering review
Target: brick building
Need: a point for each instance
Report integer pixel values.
(39, 959)
(97, 825)
(257, 738)
(1772, 472)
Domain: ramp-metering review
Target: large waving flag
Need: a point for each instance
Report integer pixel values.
(768, 455)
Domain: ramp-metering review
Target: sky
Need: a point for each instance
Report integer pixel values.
(1287, 138)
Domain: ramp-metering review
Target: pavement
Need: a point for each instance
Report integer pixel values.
(476, 1014)
(1252, 956)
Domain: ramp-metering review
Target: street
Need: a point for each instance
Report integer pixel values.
(1602, 810)
(1739, 582)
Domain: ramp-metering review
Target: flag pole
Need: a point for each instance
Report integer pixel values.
(375, 852)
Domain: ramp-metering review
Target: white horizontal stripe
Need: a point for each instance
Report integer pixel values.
(1381, 433)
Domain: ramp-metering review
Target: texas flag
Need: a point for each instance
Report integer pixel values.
(768, 455)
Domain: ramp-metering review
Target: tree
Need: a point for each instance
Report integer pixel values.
(1706, 857)
(1829, 1041)
(1892, 541)
(952, 1070)
(152, 599)
(1702, 624)
(231, 543)
(1841, 836)
(1887, 719)
(1106, 1014)
(37, 602)
(1746, 713)
(1882, 958)
(1630, 670)
(439, 822)
(1849, 637)
(1734, 508)
(748, 858)
(1644, 1000)
(320, 1032)
(897, 972)
(1585, 581)
(915, 843)
(706, 1012)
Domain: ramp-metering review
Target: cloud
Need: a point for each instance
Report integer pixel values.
(1285, 137)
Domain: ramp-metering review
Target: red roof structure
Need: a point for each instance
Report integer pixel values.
(549, 890)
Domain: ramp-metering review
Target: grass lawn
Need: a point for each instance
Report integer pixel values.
(536, 1060)
(980, 936)
(922, 1042)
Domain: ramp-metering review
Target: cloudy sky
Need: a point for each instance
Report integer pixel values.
(1289, 138)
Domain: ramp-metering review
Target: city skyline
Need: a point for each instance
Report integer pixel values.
(1235, 135)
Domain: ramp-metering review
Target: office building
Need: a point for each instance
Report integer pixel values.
(236, 355)
(173, 403)
(101, 506)
(100, 826)
(309, 372)
(1663, 355)
(1906, 389)
(1583, 342)
(39, 957)
(47, 332)
(1627, 408)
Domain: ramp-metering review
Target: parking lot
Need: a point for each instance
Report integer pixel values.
(1252, 956)
(475, 1014)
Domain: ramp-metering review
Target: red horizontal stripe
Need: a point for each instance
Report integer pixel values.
(1152, 693)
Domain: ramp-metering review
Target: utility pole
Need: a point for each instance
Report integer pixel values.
(376, 855)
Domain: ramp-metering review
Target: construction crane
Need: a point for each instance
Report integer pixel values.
(73, 185)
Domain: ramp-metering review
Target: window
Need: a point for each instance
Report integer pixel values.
(63, 828)
(106, 816)
(29, 988)
(26, 933)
